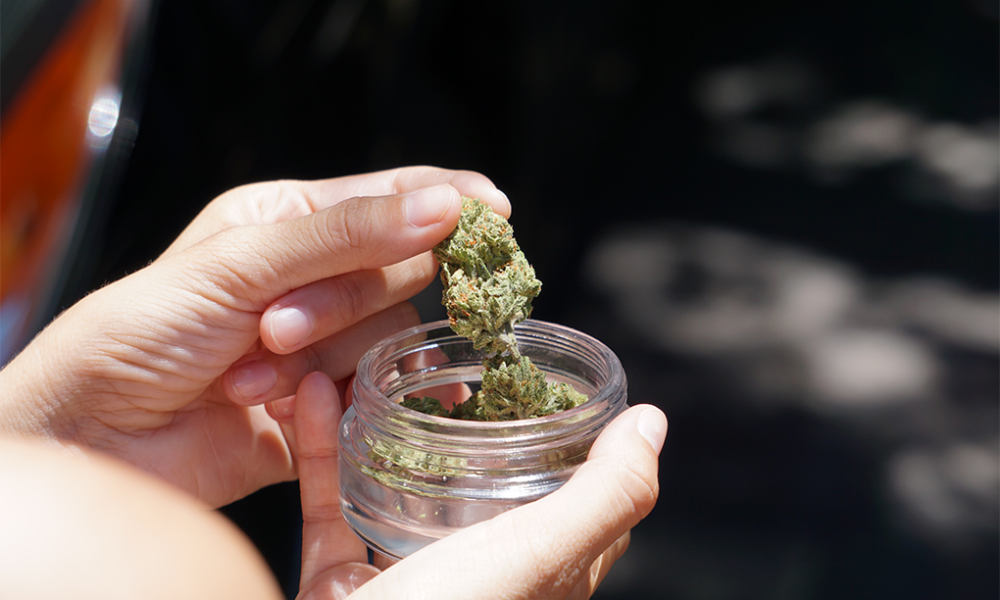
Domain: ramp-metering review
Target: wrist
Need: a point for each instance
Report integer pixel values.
(38, 387)
(26, 407)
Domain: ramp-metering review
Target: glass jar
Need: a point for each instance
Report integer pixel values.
(408, 479)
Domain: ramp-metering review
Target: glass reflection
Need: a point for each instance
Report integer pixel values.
(103, 118)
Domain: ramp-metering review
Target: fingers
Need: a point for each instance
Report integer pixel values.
(263, 376)
(323, 308)
(253, 204)
(599, 569)
(620, 478)
(248, 268)
(278, 201)
(546, 549)
(337, 582)
(327, 540)
(282, 411)
(404, 180)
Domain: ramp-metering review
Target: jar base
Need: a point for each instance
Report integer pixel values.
(387, 539)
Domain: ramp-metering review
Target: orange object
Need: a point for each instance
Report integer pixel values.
(44, 154)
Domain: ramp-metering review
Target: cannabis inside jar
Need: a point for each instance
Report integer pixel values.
(408, 478)
(488, 289)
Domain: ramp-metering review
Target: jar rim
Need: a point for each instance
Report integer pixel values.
(597, 406)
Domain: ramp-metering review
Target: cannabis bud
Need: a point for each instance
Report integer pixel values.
(489, 286)
(488, 283)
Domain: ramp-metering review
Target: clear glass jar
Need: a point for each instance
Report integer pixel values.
(408, 479)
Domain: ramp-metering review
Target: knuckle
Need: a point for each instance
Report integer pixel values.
(352, 228)
(320, 506)
(350, 299)
(637, 490)
(326, 452)
(282, 200)
(228, 270)
(311, 359)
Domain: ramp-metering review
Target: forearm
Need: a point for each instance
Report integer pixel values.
(47, 383)
(27, 397)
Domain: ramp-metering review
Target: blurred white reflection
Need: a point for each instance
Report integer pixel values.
(737, 91)
(703, 291)
(710, 291)
(951, 492)
(102, 118)
(865, 368)
(863, 134)
(966, 158)
(787, 326)
(962, 317)
(635, 263)
(767, 114)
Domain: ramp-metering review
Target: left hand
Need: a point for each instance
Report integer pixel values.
(168, 368)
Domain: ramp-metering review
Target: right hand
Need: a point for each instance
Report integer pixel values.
(559, 547)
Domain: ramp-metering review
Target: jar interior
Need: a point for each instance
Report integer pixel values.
(408, 478)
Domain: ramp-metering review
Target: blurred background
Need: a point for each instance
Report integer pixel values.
(782, 216)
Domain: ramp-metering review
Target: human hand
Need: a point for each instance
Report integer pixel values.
(168, 368)
(559, 547)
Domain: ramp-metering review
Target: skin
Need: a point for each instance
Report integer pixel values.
(147, 369)
(559, 547)
(221, 368)
(85, 525)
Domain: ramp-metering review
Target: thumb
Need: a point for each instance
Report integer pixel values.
(262, 262)
(544, 549)
(338, 582)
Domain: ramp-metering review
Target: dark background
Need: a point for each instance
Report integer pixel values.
(782, 215)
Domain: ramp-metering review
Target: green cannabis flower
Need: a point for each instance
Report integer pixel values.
(489, 286)
(488, 282)
(426, 405)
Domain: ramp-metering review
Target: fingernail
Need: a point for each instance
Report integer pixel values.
(652, 425)
(283, 408)
(427, 206)
(346, 579)
(505, 199)
(253, 379)
(289, 327)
